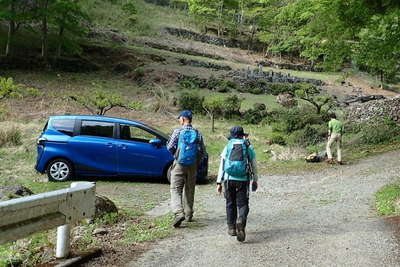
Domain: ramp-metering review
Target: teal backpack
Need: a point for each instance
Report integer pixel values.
(188, 144)
(237, 158)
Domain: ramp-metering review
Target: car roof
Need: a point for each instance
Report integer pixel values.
(98, 118)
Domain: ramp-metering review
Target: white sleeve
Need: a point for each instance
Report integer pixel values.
(220, 177)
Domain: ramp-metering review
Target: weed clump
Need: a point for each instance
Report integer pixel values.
(10, 136)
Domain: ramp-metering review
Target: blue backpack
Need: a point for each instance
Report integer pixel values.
(237, 158)
(188, 147)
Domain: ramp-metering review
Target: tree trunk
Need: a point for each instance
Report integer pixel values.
(45, 31)
(212, 123)
(60, 41)
(11, 30)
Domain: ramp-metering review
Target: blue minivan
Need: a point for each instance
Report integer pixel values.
(84, 145)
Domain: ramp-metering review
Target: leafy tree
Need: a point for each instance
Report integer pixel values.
(313, 96)
(15, 13)
(68, 17)
(213, 106)
(379, 47)
(100, 101)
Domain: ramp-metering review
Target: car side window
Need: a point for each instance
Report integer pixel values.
(65, 126)
(132, 133)
(97, 128)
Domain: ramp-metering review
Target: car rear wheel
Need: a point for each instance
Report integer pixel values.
(59, 170)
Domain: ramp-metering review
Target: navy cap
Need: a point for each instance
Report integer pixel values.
(237, 132)
(186, 113)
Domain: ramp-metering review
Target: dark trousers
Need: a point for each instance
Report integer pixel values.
(237, 201)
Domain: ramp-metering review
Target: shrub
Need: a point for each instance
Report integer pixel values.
(278, 139)
(138, 74)
(310, 135)
(221, 85)
(10, 136)
(254, 87)
(231, 106)
(191, 100)
(281, 88)
(256, 114)
(380, 132)
(290, 120)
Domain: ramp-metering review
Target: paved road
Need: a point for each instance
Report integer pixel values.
(318, 219)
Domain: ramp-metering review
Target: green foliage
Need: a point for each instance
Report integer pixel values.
(310, 135)
(379, 131)
(256, 114)
(385, 200)
(191, 83)
(131, 12)
(138, 74)
(100, 100)
(231, 106)
(281, 88)
(221, 85)
(277, 138)
(148, 230)
(313, 96)
(9, 89)
(191, 100)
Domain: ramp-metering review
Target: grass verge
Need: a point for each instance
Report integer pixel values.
(387, 200)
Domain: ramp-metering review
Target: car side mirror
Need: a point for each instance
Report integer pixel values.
(155, 142)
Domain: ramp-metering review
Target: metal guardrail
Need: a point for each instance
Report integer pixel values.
(24, 216)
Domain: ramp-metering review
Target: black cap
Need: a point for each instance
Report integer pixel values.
(237, 132)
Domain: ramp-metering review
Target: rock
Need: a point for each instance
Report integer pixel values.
(14, 191)
(104, 206)
(287, 100)
(100, 231)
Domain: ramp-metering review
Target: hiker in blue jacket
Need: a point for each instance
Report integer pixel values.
(237, 168)
(187, 146)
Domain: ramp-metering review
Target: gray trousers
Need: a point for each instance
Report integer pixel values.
(183, 182)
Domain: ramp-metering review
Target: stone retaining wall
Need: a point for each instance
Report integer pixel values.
(256, 46)
(289, 66)
(388, 108)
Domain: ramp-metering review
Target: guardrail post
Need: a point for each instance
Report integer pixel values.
(63, 235)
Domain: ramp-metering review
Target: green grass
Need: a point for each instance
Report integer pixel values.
(386, 198)
(149, 229)
(149, 18)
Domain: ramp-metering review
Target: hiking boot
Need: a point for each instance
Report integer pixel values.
(340, 162)
(232, 231)
(240, 226)
(178, 220)
(189, 219)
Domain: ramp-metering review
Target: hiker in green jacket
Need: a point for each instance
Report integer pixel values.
(335, 133)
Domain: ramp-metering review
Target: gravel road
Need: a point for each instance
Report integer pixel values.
(317, 219)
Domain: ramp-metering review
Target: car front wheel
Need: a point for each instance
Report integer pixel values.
(59, 170)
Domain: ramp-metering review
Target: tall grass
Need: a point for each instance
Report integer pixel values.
(10, 136)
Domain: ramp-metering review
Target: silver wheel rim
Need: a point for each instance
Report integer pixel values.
(59, 171)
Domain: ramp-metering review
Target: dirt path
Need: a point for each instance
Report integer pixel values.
(320, 219)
